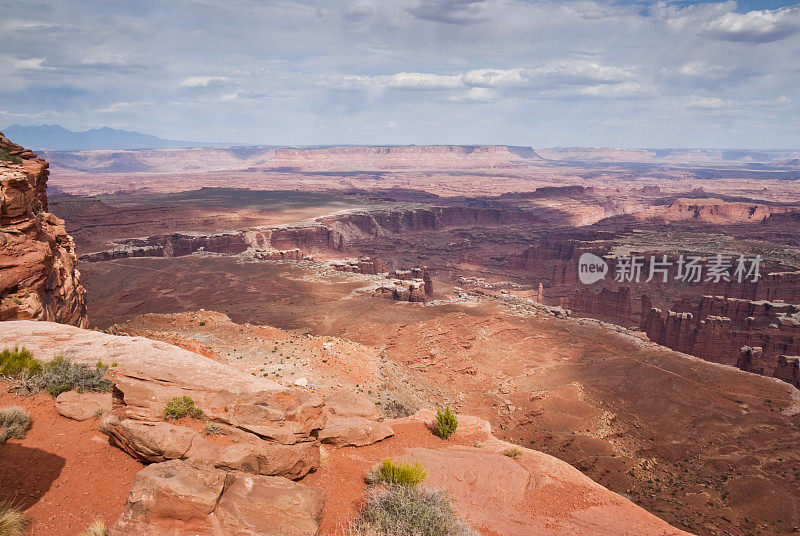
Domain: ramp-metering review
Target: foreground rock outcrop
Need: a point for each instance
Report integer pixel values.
(181, 499)
(39, 279)
(198, 483)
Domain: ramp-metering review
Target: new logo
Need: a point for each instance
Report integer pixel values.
(591, 268)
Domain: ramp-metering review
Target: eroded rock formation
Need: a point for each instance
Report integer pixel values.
(751, 335)
(39, 279)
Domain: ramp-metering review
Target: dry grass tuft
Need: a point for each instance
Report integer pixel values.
(98, 528)
(14, 423)
(408, 511)
(12, 520)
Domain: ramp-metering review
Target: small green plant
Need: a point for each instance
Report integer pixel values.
(98, 528)
(181, 406)
(513, 453)
(212, 429)
(14, 423)
(401, 511)
(17, 361)
(446, 423)
(12, 520)
(398, 474)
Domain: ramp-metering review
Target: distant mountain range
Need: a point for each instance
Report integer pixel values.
(58, 138)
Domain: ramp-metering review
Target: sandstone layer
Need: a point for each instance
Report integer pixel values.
(39, 279)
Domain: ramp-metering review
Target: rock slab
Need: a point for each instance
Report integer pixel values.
(177, 498)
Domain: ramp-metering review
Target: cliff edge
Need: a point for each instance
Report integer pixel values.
(39, 279)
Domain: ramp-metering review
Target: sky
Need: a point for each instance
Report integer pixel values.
(519, 72)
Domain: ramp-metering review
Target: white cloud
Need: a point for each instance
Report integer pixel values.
(420, 81)
(276, 70)
(119, 106)
(30, 64)
(756, 26)
(496, 78)
(202, 81)
(476, 94)
(106, 59)
(625, 89)
(551, 75)
(707, 103)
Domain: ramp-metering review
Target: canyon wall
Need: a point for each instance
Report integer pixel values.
(756, 336)
(39, 279)
(330, 233)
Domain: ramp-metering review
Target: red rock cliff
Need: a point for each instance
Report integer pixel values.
(38, 275)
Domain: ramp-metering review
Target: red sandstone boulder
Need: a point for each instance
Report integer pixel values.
(354, 431)
(286, 416)
(181, 499)
(257, 456)
(82, 406)
(350, 404)
(148, 441)
(353, 420)
(161, 441)
(267, 506)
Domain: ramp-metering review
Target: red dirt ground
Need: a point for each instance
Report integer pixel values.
(64, 474)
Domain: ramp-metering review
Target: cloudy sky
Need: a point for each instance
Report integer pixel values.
(626, 73)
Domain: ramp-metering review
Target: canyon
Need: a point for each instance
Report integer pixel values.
(418, 277)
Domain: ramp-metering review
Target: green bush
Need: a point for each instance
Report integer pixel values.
(402, 511)
(18, 361)
(6, 155)
(398, 474)
(446, 423)
(12, 520)
(55, 377)
(14, 423)
(513, 453)
(181, 406)
(61, 375)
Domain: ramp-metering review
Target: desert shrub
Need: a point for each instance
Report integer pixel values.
(212, 429)
(402, 511)
(98, 528)
(14, 422)
(6, 155)
(403, 474)
(446, 423)
(18, 361)
(61, 375)
(181, 406)
(395, 409)
(513, 453)
(12, 520)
